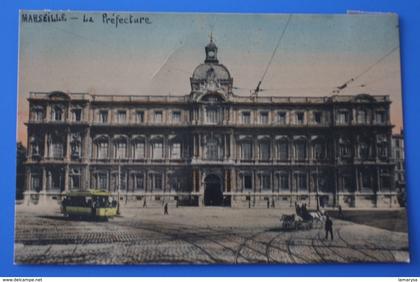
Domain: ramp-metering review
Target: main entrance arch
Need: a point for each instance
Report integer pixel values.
(213, 195)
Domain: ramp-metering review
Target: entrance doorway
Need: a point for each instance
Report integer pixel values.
(213, 195)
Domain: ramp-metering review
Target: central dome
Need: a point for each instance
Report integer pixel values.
(210, 76)
(202, 71)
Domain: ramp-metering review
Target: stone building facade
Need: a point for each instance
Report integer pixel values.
(212, 147)
(399, 156)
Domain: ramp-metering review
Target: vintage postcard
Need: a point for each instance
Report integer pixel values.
(209, 139)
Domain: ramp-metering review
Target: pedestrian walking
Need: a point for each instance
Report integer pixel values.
(328, 228)
(165, 208)
(340, 211)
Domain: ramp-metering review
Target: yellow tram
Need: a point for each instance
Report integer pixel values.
(92, 204)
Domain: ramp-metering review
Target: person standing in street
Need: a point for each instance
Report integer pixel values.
(165, 208)
(328, 228)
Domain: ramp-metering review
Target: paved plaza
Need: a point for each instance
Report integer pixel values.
(196, 235)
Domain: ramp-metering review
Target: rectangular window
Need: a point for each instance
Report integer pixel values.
(283, 180)
(157, 150)
(301, 182)
(264, 117)
(265, 182)
(382, 150)
(103, 116)
(247, 182)
(123, 181)
(361, 116)
(246, 117)
(158, 118)
(121, 116)
(77, 115)
(211, 115)
(102, 181)
(139, 150)
(36, 183)
(176, 117)
(38, 115)
(139, 182)
(57, 150)
(139, 116)
(265, 151)
(380, 117)
(345, 150)
(121, 150)
(57, 114)
(157, 182)
(281, 117)
(317, 117)
(246, 151)
(347, 183)
(300, 118)
(75, 180)
(176, 151)
(343, 117)
(103, 150)
(385, 182)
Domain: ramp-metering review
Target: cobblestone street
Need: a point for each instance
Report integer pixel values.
(196, 235)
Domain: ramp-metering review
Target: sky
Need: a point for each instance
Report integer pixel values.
(316, 54)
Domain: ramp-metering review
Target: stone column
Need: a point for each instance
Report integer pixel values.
(233, 187)
(224, 147)
(68, 151)
(46, 151)
(66, 178)
(200, 146)
(232, 147)
(146, 148)
(225, 178)
(146, 181)
(44, 180)
(194, 181)
(356, 172)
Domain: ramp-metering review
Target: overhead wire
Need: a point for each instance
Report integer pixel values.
(257, 89)
(341, 87)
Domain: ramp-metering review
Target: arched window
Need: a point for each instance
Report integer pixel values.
(56, 144)
(264, 148)
(318, 149)
(139, 149)
(212, 149)
(364, 149)
(300, 149)
(246, 150)
(382, 146)
(301, 181)
(175, 150)
(57, 113)
(157, 150)
(101, 143)
(35, 152)
(283, 150)
(38, 113)
(75, 146)
(344, 146)
(212, 115)
(120, 147)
